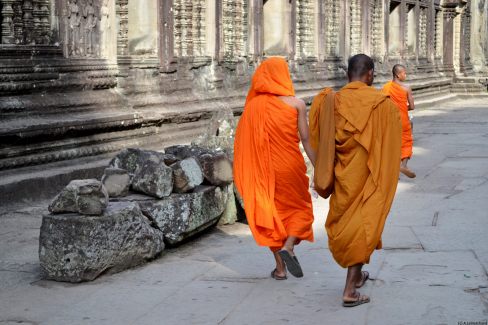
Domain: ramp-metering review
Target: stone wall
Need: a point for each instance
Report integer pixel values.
(83, 78)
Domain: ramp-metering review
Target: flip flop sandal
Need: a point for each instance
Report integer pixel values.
(364, 278)
(359, 301)
(277, 277)
(291, 263)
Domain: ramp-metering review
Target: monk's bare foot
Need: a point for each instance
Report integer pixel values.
(407, 172)
(355, 299)
(363, 279)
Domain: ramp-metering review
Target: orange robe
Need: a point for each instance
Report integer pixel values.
(400, 97)
(269, 169)
(366, 170)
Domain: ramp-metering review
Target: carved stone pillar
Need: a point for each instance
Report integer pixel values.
(18, 23)
(189, 28)
(438, 34)
(465, 45)
(28, 20)
(355, 31)
(234, 29)
(422, 47)
(45, 21)
(198, 25)
(166, 40)
(7, 15)
(333, 29)
(305, 27)
(448, 36)
(256, 23)
(122, 12)
(36, 20)
(377, 31)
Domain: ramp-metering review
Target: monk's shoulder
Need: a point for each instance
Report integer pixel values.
(298, 103)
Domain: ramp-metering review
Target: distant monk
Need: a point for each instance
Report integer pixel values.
(269, 169)
(402, 96)
(365, 169)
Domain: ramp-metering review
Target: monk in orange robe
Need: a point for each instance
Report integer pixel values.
(402, 96)
(365, 168)
(269, 169)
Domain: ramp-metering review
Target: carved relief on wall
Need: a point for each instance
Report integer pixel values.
(25, 22)
(122, 12)
(89, 28)
(234, 21)
(466, 17)
(377, 32)
(189, 28)
(438, 33)
(423, 32)
(333, 28)
(305, 28)
(356, 30)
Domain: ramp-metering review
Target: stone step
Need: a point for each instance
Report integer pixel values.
(429, 102)
(61, 102)
(29, 128)
(153, 136)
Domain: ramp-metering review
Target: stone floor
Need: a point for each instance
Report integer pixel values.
(433, 269)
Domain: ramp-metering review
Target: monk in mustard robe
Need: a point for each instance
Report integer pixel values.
(402, 96)
(269, 169)
(365, 170)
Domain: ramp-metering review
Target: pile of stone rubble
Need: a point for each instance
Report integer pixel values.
(144, 201)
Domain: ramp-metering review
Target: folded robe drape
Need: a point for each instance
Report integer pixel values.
(269, 169)
(367, 162)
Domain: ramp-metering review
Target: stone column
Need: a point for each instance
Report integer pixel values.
(28, 20)
(166, 38)
(122, 12)
(346, 30)
(256, 36)
(465, 46)
(320, 27)
(448, 36)
(292, 41)
(377, 30)
(7, 14)
(479, 34)
(306, 29)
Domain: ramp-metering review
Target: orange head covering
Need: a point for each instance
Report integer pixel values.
(271, 77)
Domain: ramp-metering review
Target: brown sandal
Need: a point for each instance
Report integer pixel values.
(364, 278)
(277, 277)
(358, 301)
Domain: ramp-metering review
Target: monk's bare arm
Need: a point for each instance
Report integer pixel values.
(304, 130)
(411, 104)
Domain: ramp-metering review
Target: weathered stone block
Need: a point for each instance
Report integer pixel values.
(132, 159)
(181, 216)
(216, 166)
(229, 216)
(75, 248)
(154, 179)
(187, 175)
(116, 181)
(87, 196)
(185, 151)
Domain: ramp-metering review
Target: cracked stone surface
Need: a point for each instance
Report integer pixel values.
(433, 269)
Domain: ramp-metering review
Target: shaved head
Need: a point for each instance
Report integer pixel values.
(397, 68)
(361, 68)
